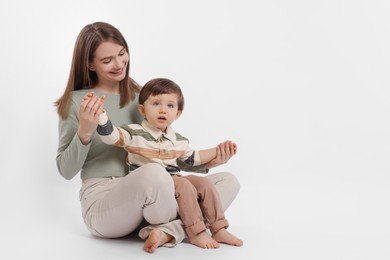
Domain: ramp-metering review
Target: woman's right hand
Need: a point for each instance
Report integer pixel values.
(89, 112)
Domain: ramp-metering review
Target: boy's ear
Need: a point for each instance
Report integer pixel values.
(141, 109)
(178, 114)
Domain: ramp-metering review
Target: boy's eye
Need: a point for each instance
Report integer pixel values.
(155, 103)
(171, 105)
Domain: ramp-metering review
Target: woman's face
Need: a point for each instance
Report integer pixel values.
(110, 63)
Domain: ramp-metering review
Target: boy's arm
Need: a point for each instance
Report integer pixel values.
(111, 134)
(224, 152)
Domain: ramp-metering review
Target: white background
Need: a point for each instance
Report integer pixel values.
(301, 86)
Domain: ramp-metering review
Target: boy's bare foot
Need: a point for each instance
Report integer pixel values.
(203, 240)
(223, 236)
(155, 239)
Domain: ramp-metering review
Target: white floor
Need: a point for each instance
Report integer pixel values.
(276, 219)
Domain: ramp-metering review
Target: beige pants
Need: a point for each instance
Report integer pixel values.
(115, 207)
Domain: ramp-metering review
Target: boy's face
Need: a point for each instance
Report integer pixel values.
(161, 110)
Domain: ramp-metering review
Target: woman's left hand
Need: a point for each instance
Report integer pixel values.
(225, 151)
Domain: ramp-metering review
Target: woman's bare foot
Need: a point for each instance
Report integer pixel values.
(203, 240)
(155, 239)
(223, 236)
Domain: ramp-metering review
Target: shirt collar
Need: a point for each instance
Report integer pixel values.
(156, 133)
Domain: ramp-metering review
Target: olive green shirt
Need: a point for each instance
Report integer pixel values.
(95, 159)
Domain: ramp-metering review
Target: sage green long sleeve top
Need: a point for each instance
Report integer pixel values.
(95, 159)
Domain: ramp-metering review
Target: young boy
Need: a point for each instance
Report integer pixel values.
(161, 102)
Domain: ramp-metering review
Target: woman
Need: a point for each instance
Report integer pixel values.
(115, 204)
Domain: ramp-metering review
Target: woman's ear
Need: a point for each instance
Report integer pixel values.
(90, 67)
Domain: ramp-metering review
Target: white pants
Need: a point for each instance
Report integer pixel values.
(116, 206)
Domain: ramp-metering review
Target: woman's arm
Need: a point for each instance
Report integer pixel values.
(75, 134)
(90, 109)
(223, 152)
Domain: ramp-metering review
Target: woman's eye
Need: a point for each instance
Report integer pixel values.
(121, 53)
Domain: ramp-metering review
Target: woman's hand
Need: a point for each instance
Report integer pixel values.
(225, 151)
(90, 109)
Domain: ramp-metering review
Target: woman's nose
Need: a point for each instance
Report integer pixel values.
(117, 63)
